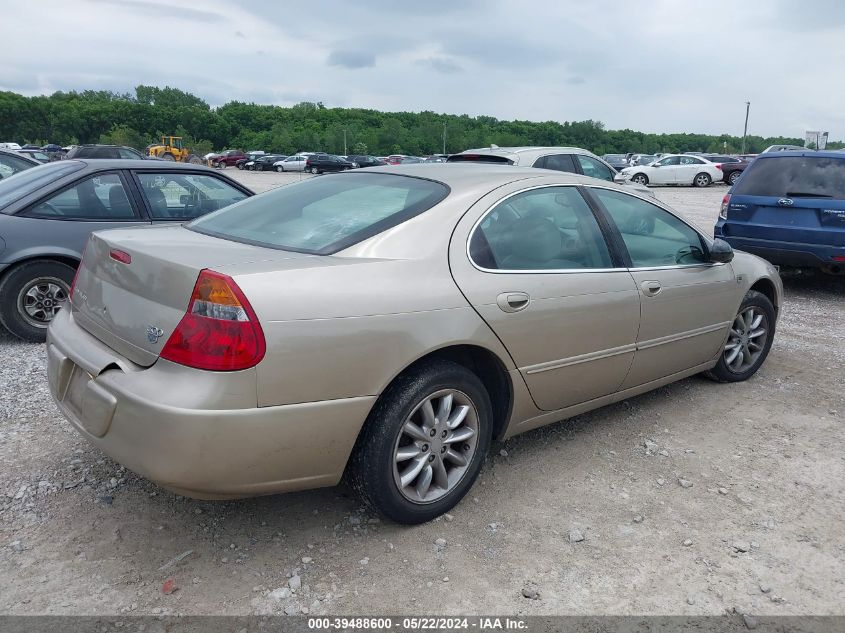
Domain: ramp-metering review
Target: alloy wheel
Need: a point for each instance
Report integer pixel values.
(747, 340)
(702, 180)
(639, 179)
(435, 446)
(41, 299)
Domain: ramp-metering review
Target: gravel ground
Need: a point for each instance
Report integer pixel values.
(694, 499)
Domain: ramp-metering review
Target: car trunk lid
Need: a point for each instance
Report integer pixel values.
(131, 291)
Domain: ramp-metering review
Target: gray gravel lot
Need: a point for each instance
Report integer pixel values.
(759, 530)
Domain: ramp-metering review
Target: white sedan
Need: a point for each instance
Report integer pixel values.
(291, 163)
(674, 169)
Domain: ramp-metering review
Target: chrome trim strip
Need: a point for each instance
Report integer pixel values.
(672, 338)
(582, 358)
(622, 349)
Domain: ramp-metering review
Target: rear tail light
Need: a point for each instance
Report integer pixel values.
(220, 331)
(723, 211)
(719, 166)
(120, 256)
(838, 258)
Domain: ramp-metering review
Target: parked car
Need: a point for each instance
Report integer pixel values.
(51, 148)
(265, 162)
(782, 148)
(789, 207)
(617, 161)
(732, 166)
(322, 163)
(35, 154)
(227, 159)
(291, 163)
(48, 212)
(674, 169)
(240, 164)
(394, 159)
(478, 302)
(569, 159)
(642, 159)
(360, 160)
(105, 151)
(12, 162)
(10, 146)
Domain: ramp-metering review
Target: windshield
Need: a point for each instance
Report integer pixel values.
(324, 215)
(22, 183)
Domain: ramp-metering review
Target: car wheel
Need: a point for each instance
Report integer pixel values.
(239, 166)
(749, 341)
(702, 180)
(31, 295)
(168, 156)
(314, 170)
(221, 165)
(733, 177)
(280, 169)
(424, 442)
(640, 179)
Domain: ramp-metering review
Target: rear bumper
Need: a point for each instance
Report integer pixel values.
(785, 253)
(200, 452)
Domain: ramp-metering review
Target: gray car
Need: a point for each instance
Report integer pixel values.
(48, 212)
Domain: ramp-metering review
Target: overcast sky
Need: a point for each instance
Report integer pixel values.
(658, 66)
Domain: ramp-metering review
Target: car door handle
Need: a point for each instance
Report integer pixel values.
(513, 301)
(651, 288)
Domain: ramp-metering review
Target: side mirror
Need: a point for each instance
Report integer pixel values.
(655, 165)
(720, 252)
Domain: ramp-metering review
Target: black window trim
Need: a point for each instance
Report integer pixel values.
(705, 241)
(125, 181)
(543, 271)
(141, 199)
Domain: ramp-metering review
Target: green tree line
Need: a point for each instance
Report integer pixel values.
(140, 119)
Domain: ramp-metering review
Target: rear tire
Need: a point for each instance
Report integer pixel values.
(702, 180)
(314, 171)
(378, 466)
(744, 352)
(193, 159)
(168, 156)
(30, 295)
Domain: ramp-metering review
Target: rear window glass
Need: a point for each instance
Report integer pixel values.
(794, 177)
(25, 182)
(326, 214)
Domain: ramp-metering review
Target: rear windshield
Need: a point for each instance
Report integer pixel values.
(23, 183)
(479, 158)
(794, 177)
(324, 215)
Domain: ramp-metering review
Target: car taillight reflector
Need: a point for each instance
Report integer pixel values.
(120, 256)
(838, 258)
(220, 331)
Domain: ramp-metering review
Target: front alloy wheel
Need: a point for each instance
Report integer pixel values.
(749, 340)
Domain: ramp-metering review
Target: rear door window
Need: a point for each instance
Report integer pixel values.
(172, 196)
(794, 177)
(593, 168)
(558, 162)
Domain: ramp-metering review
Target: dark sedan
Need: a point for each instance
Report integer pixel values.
(261, 163)
(323, 163)
(48, 212)
(360, 160)
(732, 166)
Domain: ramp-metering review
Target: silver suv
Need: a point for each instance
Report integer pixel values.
(570, 159)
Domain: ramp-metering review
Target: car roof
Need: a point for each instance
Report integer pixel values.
(462, 176)
(18, 154)
(823, 153)
(138, 163)
(524, 149)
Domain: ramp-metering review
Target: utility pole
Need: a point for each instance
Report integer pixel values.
(745, 129)
(444, 137)
(345, 153)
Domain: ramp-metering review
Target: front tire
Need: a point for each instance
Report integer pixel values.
(733, 177)
(168, 156)
(640, 179)
(424, 443)
(701, 180)
(749, 340)
(280, 169)
(30, 296)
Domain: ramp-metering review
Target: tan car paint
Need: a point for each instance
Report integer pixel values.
(340, 328)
